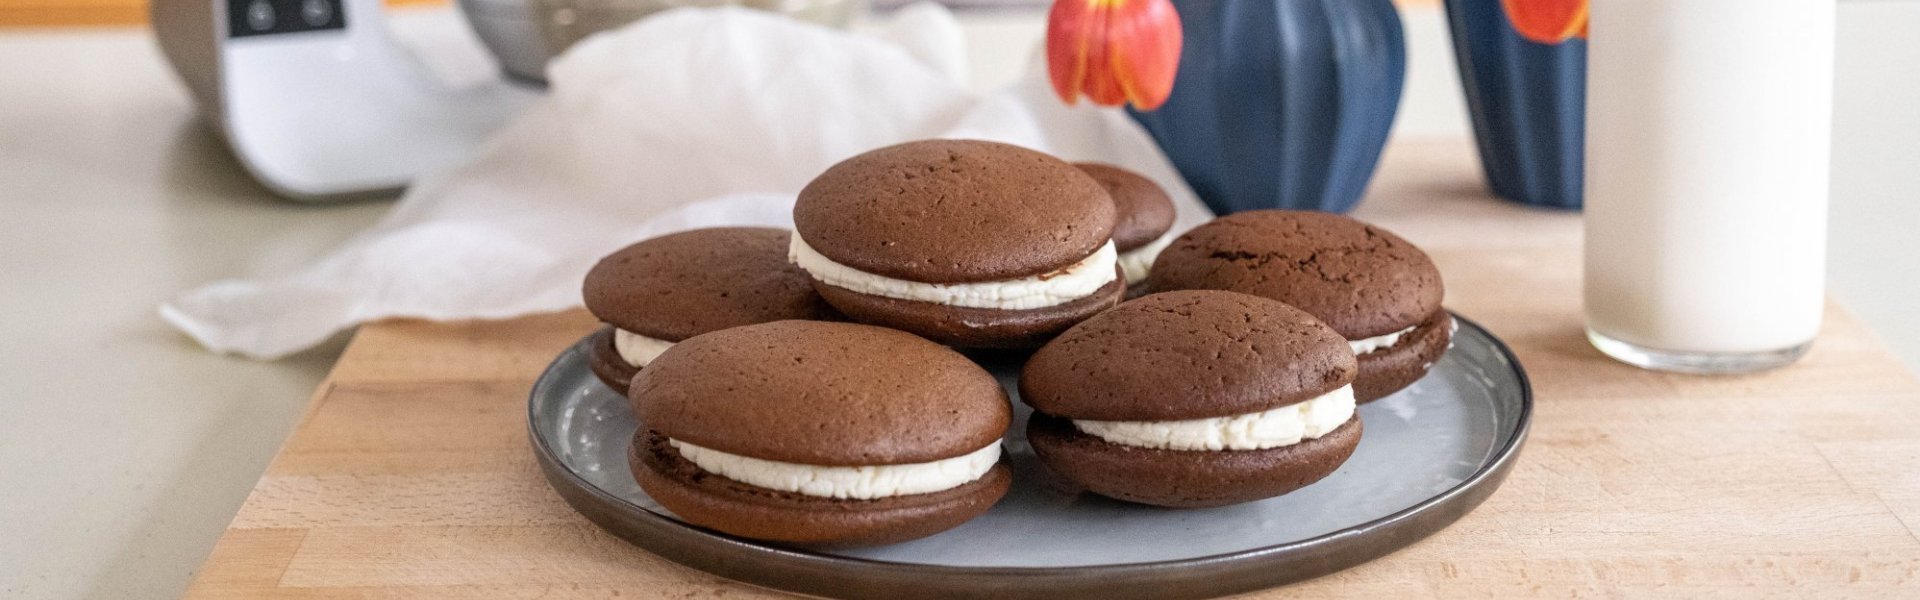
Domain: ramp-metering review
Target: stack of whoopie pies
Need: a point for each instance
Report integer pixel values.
(1379, 291)
(1232, 377)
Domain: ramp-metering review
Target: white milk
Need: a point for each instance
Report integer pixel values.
(1708, 134)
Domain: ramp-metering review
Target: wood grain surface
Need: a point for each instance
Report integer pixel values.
(410, 476)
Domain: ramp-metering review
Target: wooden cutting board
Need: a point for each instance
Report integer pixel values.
(411, 476)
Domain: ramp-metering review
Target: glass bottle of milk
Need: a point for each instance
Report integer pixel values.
(1708, 140)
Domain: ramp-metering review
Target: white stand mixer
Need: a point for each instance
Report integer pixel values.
(317, 99)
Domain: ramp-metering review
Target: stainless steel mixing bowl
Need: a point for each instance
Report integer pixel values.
(525, 34)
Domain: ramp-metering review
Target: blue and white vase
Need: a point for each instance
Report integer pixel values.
(1282, 103)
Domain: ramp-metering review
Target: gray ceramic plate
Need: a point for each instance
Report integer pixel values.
(1430, 454)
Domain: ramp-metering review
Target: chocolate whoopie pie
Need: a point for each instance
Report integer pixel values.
(1373, 287)
(1193, 399)
(1143, 218)
(967, 243)
(819, 433)
(673, 287)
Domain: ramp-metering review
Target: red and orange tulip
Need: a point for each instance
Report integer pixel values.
(1548, 21)
(1113, 51)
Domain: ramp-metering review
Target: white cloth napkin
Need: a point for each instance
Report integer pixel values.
(691, 118)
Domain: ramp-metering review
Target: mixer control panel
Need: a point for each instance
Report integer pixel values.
(267, 17)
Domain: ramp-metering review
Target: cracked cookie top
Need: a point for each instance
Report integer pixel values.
(954, 211)
(1187, 355)
(1360, 279)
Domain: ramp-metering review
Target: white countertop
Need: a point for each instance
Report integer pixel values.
(126, 448)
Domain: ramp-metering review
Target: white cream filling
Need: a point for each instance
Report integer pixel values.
(1377, 342)
(1077, 281)
(1138, 261)
(636, 349)
(1284, 426)
(861, 483)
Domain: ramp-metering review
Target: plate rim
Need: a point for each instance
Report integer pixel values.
(1322, 554)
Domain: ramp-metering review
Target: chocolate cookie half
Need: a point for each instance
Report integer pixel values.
(1144, 219)
(968, 243)
(673, 287)
(819, 433)
(1193, 399)
(1379, 291)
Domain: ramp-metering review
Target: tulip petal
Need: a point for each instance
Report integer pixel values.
(1145, 40)
(1067, 44)
(1102, 85)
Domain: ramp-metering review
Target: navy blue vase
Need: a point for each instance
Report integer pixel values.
(1282, 103)
(1528, 102)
